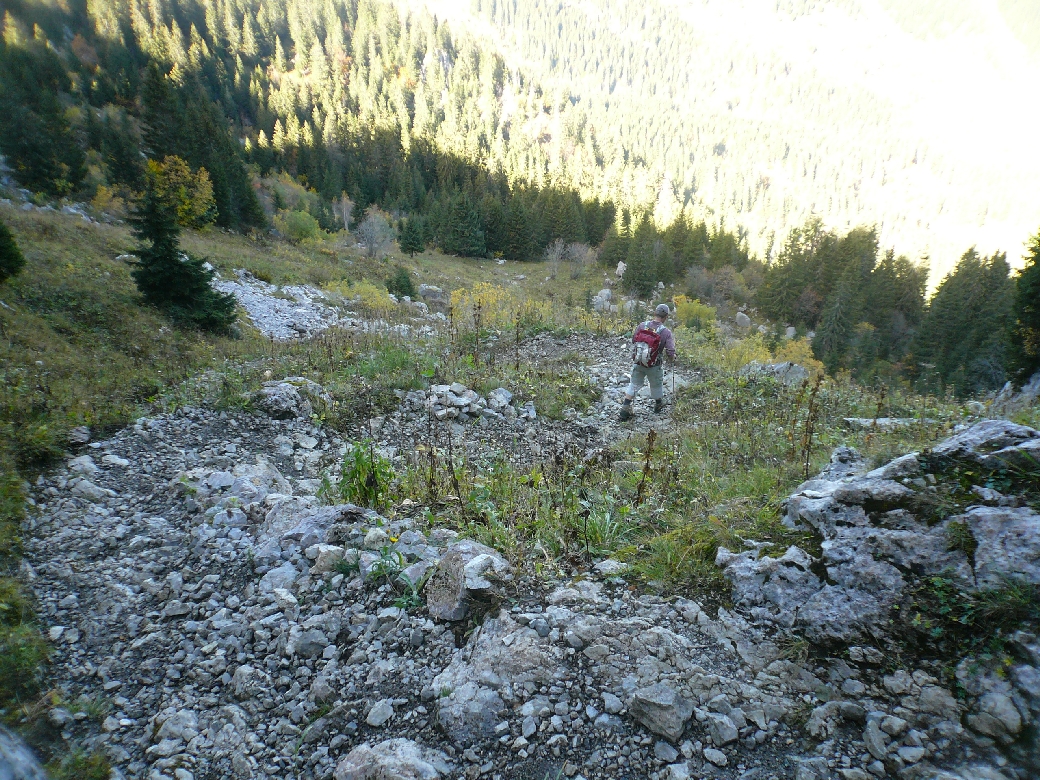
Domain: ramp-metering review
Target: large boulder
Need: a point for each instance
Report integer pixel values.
(772, 588)
(469, 572)
(1008, 544)
(992, 443)
(503, 656)
(16, 760)
(393, 759)
(786, 372)
(1010, 402)
(662, 710)
(879, 535)
(292, 398)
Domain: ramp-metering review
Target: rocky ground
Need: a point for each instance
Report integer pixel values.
(213, 619)
(301, 311)
(522, 432)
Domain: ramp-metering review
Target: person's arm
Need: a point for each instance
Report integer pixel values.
(669, 344)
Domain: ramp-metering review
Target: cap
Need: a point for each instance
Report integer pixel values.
(662, 310)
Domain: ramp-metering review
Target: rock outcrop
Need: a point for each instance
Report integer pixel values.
(880, 534)
(888, 531)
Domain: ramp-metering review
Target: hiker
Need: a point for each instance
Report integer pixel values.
(652, 342)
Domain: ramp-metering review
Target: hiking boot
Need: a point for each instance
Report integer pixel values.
(626, 412)
(658, 406)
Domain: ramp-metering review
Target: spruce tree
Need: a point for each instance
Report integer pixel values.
(411, 239)
(463, 235)
(518, 240)
(962, 339)
(494, 221)
(35, 135)
(11, 259)
(401, 284)
(615, 247)
(1024, 343)
(170, 279)
(640, 275)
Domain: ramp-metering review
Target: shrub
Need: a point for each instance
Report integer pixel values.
(799, 351)
(694, 314)
(401, 284)
(375, 233)
(298, 226)
(11, 259)
(371, 298)
(22, 652)
(189, 193)
(80, 765)
(485, 303)
(365, 477)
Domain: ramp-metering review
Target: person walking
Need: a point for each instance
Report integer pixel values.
(652, 343)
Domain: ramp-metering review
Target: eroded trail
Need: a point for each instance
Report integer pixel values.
(603, 360)
(214, 619)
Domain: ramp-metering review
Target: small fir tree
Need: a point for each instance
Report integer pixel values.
(11, 259)
(1024, 344)
(411, 240)
(169, 279)
(401, 284)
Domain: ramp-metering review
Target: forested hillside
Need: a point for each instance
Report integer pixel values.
(914, 116)
(351, 98)
(664, 105)
(736, 173)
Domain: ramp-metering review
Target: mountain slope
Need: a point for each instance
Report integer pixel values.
(913, 116)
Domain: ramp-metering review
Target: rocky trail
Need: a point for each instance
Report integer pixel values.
(213, 618)
(497, 423)
(219, 621)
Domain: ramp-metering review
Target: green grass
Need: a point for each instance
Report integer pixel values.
(80, 765)
(941, 621)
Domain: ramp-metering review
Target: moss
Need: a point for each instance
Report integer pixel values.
(80, 765)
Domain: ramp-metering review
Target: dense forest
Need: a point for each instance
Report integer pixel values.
(310, 114)
(347, 98)
(766, 113)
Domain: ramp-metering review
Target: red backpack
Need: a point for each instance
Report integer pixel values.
(647, 344)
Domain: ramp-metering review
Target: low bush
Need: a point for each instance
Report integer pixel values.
(401, 284)
(298, 226)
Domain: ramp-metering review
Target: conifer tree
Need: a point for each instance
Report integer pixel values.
(401, 284)
(961, 342)
(11, 259)
(463, 235)
(494, 221)
(615, 247)
(518, 243)
(411, 239)
(1024, 346)
(170, 279)
(34, 133)
(639, 275)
